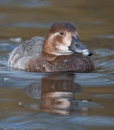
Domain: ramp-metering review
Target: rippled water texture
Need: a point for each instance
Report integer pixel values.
(67, 101)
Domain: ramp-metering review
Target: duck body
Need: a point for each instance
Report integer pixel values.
(70, 63)
(50, 54)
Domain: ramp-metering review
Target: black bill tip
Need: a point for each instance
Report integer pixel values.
(90, 53)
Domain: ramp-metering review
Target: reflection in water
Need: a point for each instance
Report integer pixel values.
(57, 92)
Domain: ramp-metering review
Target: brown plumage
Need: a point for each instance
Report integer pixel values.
(60, 51)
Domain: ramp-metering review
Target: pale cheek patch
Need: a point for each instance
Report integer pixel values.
(62, 50)
(67, 39)
(62, 47)
(52, 36)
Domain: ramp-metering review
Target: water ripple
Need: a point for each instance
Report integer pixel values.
(25, 3)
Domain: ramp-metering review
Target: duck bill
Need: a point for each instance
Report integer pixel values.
(77, 46)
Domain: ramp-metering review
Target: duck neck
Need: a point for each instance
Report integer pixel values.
(48, 57)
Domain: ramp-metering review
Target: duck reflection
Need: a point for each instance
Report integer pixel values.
(57, 93)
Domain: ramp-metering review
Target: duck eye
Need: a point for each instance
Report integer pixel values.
(61, 33)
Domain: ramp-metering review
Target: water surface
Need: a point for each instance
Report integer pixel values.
(62, 101)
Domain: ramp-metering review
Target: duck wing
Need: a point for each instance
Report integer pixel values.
(29, 49)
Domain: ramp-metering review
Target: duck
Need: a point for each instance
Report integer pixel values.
(59, 51)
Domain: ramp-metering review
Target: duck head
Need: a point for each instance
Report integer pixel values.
(63, 39)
